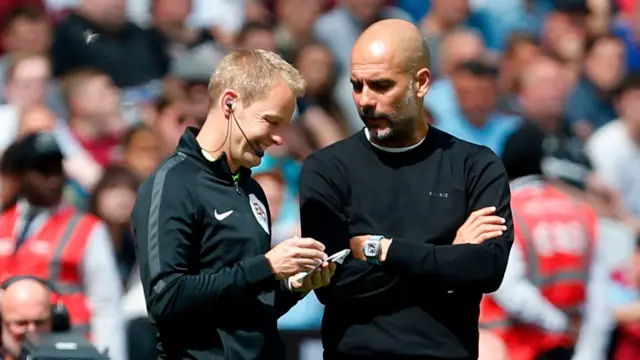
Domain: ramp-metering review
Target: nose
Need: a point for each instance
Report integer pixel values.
(366, 98)
(277, 139)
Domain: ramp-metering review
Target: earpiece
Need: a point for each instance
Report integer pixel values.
(229, 103)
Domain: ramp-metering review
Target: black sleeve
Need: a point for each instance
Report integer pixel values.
(471, 267)
(165, 223)
(322, 218)
(285, 299)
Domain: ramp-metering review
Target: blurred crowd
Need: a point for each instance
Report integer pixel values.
(117, 82)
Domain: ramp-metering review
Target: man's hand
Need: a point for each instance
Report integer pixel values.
(480, 226)
(319, 278)
(295, 255)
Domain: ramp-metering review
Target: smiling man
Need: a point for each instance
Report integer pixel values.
(203, 228)
(426, 215)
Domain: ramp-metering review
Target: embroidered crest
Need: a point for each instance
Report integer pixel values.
(260, 212)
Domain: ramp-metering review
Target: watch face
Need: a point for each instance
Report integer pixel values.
(371, 249)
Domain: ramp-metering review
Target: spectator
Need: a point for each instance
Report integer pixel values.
(256, 36)
(27, 77)
(320, 115)
(37, 119)
(458, 46)
(446, 16)
(471, 112)
(141, 151)
(171, 36)
(589, 105)
(131, 64)
(171, 121)
(26, 29)
(614, 148)
(95, 117)
(521, 50)
(295, 24)
(351, 17)
(25, 310)
(89, 285)
(112, 201)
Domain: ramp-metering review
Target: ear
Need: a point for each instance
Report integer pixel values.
(228, 102)
(422, 82)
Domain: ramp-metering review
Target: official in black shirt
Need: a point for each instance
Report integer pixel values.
(202, 225)
(425, 214)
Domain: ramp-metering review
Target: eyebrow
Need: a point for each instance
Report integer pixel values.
(274, 117)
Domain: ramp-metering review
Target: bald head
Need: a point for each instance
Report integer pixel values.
(397, 41)
(25, 307)
(23, 293)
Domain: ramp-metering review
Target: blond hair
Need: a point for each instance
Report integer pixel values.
(253, 74)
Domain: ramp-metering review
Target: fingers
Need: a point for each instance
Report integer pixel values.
(486, 236)
(307, 264)
(481, 212)
(310, 254)
(307, 243)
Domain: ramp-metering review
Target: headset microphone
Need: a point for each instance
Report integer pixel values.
(259, 152)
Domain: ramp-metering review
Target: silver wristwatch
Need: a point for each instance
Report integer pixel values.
(372, 249)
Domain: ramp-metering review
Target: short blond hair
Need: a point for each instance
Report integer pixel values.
(253, 74)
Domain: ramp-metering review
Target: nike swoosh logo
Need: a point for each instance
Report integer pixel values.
(222, 216)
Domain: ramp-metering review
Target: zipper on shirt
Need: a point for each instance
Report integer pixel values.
(237, 188)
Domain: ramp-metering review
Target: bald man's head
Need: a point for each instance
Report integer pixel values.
(25, 308)
(390, 77)
(399, 39)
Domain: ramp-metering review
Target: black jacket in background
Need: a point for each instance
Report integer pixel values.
(200, 241)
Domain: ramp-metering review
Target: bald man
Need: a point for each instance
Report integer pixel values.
(426, 215)
(25, 308)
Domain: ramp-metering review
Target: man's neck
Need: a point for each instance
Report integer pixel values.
(215, 142)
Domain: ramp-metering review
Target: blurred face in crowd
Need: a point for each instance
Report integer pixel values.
(144, 152)
(565, 34)
(367, 11)
(27, 85)
(605, 63)
(25, 310)
(262, 122)
(629, 106)
(512, 64)
(97, 98)
(477, 96)
(315, 63)
(115, 203)
(543, 89)
(259, 39)
(299, 16)
(273, 186)
(459, 47)
(171, 123)
(452, 12)
(43, 187)
(109, 13)
(171, 12)
(39, 119)
(28, 35)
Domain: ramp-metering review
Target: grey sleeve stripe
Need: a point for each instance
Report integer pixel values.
(154, 218)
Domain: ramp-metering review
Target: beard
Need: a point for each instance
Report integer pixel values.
(396, 126)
